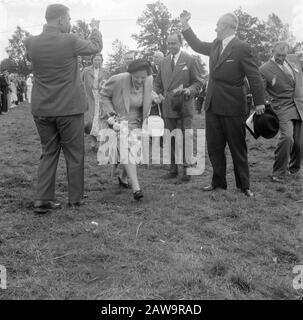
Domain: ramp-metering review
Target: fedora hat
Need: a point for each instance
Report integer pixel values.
(265, 125)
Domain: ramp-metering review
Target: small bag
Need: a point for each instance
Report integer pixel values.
(154, 125)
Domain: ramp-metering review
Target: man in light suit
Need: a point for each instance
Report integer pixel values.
(58, 103)
(157, 58)
(225, 105)
(283, 82)
(178, 70)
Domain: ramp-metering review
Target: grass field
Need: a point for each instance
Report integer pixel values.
(178, 243)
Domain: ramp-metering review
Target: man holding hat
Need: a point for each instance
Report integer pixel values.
(283, 82)
(58, 102)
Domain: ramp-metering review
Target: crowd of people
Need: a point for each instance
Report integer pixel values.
(69, 100)
(14, 89)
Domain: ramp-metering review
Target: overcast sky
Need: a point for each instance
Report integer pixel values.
(118, 17)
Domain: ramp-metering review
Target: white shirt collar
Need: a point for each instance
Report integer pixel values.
(177, 56)
(226, 41)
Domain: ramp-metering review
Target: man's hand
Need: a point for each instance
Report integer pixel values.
(186, 92)
(184, 18)
(95, 24)
(260, 109)
(158, 98)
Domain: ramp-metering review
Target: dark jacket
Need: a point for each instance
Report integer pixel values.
(226, 93)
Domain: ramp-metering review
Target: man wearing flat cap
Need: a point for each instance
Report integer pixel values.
(58, 103)
(283, 81)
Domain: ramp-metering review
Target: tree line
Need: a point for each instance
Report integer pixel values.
(156, 22)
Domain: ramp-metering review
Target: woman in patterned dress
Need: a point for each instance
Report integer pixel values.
(128, 95)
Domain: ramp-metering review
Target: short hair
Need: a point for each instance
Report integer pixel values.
(139, 65)
(281, 45)
(231, 20)
(178, 34)
(96, 55)
(54, 11)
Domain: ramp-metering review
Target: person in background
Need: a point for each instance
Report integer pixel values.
(29, 86)
(4, 87)
(58, 103)
(129, 57)
(80, 63)
(93, 78)
(20, 89)
(13, 90)
(157, 58)
(283, 81)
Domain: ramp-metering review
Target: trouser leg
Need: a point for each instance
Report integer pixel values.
(71, 129)
(235, 132)
(50, 142)
(171, 124)
(296, 154)
(216, 143)
(284, 147)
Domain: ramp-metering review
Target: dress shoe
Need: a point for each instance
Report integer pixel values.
(295, 174)
(138, 195)
(212, 188)
(123, 184)
(170, 175)
(42, 207)
(278, 179)
(247, 192)
(185, 178)
(75, 205)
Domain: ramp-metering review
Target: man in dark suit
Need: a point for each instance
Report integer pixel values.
(283, 82)
(225, 105)
(4, 88)
(178, 74)
(58, 102)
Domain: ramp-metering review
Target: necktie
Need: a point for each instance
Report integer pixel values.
(287, 72)
(218, 50)
(173, 62)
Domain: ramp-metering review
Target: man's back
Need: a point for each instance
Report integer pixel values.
(58, 90)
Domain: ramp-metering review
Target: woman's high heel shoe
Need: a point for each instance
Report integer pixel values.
(123, 184)
(138, 195)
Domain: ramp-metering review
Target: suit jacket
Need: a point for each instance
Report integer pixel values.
(115, 95)
(285, 94)
(226, 92)
(186, 72)
(57, 89)
(4, 84)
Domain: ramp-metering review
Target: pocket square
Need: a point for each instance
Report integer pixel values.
(296, 70)
(185, 68)
(232, 60)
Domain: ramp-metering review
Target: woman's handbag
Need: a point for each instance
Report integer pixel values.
(153, 125)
